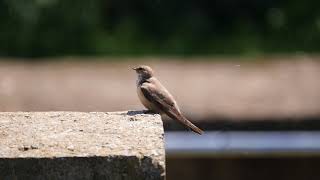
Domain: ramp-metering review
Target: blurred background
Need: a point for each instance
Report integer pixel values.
(247, 72)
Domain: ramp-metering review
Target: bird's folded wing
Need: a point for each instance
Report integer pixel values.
(158, 97)
(164, 102)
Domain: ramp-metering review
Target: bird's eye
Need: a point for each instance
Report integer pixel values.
(140, 69)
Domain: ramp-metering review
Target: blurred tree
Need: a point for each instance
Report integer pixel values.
(37, 28)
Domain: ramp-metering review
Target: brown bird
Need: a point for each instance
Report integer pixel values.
(155, 97)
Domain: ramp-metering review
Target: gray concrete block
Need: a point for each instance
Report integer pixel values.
(78, 145)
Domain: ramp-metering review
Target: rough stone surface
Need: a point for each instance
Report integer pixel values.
(78, 145)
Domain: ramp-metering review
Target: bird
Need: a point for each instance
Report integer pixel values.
(156, 98)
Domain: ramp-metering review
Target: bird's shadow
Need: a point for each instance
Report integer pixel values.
(132, 113)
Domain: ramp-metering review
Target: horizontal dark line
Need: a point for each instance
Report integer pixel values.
(307, 124)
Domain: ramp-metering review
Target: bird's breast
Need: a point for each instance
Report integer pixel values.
(146, 103)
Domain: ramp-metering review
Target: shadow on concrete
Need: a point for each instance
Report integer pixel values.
(75, 168)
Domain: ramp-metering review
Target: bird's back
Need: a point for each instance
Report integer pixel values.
(162, 93)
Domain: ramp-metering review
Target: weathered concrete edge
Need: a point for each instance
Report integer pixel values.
(146, 162)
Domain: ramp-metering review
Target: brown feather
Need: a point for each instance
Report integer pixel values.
(162, 99)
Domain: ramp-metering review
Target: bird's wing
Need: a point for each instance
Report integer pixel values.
(160, 97)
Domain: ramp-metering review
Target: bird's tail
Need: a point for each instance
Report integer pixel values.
(184, 121)
(193, 127)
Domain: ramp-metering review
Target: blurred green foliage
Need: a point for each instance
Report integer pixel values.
(39, 28)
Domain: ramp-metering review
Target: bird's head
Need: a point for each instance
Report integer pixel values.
(144, 71)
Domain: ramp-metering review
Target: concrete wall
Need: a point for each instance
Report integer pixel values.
(77, 145)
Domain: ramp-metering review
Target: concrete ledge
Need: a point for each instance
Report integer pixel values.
(77, 145)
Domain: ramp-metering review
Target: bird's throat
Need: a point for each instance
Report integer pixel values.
(141, 79)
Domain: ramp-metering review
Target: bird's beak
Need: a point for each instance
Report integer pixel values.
(134, 68)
